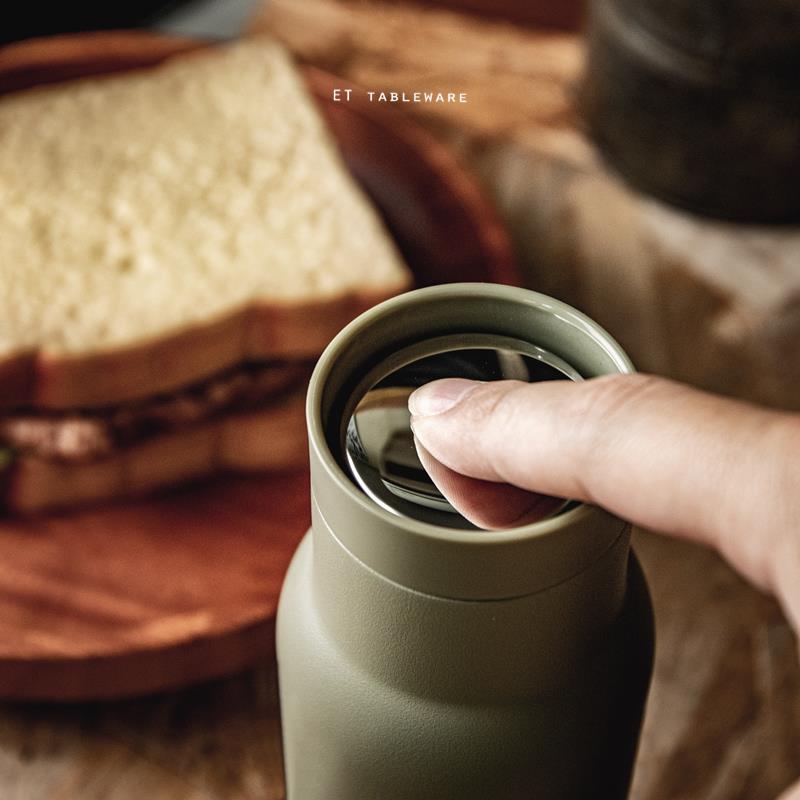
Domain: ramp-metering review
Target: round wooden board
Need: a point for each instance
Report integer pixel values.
(177, 588)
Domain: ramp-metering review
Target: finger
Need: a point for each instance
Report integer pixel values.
(791, 794)
(489, 505)
(660, 454)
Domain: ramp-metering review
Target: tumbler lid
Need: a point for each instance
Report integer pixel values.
(432, 558)
(380, 447)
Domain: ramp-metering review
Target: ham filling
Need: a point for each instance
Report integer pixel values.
(86, 435)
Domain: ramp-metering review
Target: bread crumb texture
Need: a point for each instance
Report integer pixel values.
(135, 206)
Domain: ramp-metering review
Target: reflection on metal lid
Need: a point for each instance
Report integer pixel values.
(380, 448)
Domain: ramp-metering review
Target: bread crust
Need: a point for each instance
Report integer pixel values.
(175, 353)
(269, 439)
(259, 331)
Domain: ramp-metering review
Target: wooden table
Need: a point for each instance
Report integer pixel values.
(723, 722)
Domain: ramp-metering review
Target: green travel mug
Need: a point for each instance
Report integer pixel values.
(420, 658)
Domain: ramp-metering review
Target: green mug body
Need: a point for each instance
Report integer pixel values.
(418, 661)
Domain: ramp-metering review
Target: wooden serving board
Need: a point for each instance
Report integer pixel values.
(142, 596)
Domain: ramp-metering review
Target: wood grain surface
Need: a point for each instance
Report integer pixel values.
(169, 590)
(145, 595)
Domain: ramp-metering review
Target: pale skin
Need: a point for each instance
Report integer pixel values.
(664, 456)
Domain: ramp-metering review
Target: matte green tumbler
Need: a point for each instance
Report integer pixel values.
(420, 658)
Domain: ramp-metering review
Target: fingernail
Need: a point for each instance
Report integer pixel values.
(439, 396)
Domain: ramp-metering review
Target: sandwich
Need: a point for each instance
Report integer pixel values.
(177, 245)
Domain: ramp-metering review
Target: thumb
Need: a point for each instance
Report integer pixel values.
(660, 454)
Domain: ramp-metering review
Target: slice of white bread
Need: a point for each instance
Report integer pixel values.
(270, 439)
(160, 226)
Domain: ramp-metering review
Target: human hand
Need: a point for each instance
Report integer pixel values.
(662, 455)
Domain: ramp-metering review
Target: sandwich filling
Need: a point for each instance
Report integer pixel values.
(91, 434)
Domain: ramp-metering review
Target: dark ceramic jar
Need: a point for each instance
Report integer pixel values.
(698, 102)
